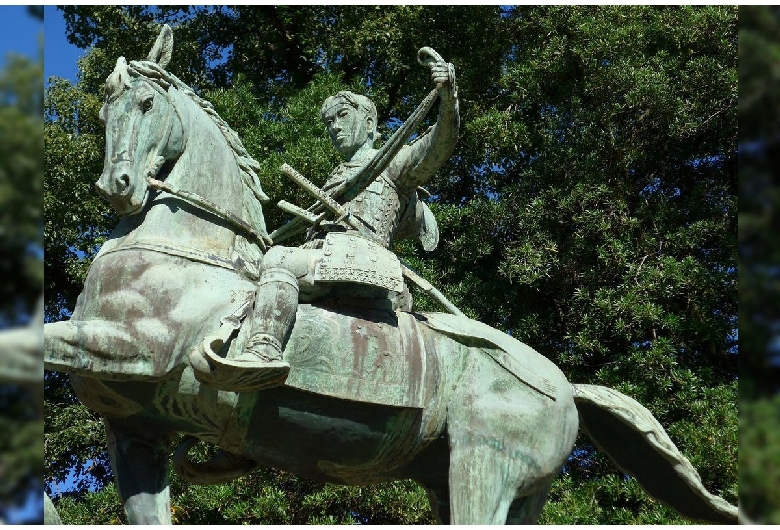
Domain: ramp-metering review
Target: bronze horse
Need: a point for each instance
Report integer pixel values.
(483, 422)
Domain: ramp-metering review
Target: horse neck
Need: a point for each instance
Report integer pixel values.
(207, 167)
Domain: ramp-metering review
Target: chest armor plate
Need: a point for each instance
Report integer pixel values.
(377, 207)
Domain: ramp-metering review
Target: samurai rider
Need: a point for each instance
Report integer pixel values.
(338, 262)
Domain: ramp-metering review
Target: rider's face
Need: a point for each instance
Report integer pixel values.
(348, 127)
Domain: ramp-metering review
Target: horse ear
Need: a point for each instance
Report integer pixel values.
(163, 47)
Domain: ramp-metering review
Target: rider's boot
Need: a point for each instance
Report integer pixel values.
(272, 321)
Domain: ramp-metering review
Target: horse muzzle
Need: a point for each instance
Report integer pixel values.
(122, 191)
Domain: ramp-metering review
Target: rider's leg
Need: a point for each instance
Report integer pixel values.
(273, 316)
(284, 269)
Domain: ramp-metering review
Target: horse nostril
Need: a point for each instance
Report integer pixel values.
(123, 182)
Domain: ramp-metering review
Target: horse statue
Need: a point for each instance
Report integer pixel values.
(483, 422)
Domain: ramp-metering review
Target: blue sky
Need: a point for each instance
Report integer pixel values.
(60, 57)
(20, 32)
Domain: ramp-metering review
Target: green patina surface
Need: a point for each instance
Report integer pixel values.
(474, 410)
(373, 358)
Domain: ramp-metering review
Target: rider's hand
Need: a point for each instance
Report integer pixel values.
(443, 76)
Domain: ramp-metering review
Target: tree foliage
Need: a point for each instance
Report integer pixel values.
(21, 186)
(589, 208)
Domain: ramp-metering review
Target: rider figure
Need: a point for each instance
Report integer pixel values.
(336, 260)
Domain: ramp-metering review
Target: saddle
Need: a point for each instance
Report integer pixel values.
(357, 354)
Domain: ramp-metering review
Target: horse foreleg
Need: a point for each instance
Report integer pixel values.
(106, 350)
(526, 510)
(140, 465)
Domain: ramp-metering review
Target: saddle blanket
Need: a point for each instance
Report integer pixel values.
(366, 356)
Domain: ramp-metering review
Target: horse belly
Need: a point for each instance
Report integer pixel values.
(332, 440)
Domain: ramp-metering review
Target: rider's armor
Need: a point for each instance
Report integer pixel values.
(378, 208)
(363, 257)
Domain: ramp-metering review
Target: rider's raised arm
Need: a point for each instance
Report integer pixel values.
(420, 160)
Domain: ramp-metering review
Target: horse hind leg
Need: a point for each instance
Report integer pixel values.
(490, 488)
(439, 499)
(482, 484)
(507, 442)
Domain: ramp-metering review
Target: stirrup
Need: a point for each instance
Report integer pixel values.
(240, 374)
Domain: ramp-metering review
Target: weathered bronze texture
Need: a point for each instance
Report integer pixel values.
(372, 392)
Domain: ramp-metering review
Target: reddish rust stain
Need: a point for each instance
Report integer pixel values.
(411, 342)
(357, 332)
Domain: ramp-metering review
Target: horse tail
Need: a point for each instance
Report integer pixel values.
(634, 440)
(219, 469)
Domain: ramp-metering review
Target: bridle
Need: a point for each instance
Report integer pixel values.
(190, 197)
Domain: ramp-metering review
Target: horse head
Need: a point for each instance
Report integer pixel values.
(143, 127)
(158, 129)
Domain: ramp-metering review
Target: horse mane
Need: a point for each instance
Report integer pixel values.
(248, 166)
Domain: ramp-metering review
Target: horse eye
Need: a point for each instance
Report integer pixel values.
(146, 104)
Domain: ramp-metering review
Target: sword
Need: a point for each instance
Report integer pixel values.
(343, 215)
